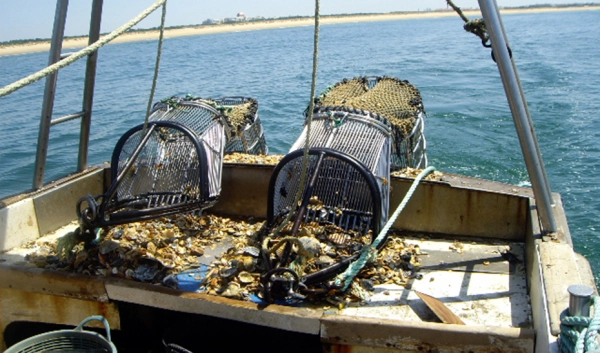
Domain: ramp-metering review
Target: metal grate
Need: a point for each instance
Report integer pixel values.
(345, 194)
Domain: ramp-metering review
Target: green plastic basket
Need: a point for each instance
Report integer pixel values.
(68, 341)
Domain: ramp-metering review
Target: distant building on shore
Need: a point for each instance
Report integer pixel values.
(212, 21)
(240, 17)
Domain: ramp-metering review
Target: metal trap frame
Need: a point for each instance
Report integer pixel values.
(365, 137)
(172, 165)
(344, 192)
(347, 173)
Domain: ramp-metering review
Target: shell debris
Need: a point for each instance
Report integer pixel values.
(245, 158)
(155, 251)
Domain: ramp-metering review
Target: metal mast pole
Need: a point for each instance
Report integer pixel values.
(521, 115)
(58, 32)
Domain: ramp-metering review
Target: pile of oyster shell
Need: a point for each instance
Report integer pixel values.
(409, 172)
(157, 251)
(245, 158)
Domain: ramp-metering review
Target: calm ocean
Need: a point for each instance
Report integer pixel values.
(469, 128)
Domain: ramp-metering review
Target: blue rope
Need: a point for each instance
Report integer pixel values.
(369, 252)
(578, 333)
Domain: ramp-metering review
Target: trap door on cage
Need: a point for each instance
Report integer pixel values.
(345, 193)
(168, 170)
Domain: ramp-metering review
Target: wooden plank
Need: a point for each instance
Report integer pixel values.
(559, 269)
(64, 284)
(423, 336)
(303, 320)
(55, 206)
(440, 310)
(450, 209)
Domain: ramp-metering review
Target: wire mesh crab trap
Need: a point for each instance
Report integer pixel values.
(361, 129)
(363, 136)
(398, 101)
(346, 189)
(342, 194)
(246, 131)
(173, 165)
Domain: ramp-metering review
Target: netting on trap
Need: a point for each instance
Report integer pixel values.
(345, 192)
(173, 165)
(247, 134)
(396, 100)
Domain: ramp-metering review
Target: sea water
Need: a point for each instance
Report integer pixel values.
(469, 127)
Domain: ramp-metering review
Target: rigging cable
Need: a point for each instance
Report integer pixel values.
(308, 125)
(477, 27)
(157, 65)
(6, 90)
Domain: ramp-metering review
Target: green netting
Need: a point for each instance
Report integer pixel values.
(397, 100)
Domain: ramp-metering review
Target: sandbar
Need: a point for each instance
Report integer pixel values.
(70, 43)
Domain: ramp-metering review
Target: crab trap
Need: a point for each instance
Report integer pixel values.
(172, 165)
(361, 129)
(246, 134)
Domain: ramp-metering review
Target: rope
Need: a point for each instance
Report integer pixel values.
(578, 333)
(369, 252)
(477, 27)
(157, 65)
(78, 55)
(310, 118)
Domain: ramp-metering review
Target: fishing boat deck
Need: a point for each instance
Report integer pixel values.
(461, 225)
(471, 278)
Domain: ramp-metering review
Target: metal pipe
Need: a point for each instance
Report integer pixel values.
(580, 299)
(521, 115)
(66, 118)
(88, 89)
(60, 18)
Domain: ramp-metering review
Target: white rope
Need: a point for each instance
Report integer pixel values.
(80, 54)
(157, 65)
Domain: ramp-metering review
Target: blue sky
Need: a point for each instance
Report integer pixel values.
(25, 19)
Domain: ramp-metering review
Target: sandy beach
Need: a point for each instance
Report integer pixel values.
(71, 43)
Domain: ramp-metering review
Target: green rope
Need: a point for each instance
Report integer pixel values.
(369, 252)
(78, 55)
(578, 333)
(157, 65)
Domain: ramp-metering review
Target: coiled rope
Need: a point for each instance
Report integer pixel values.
(80, 54)
(369, 252)
(578, 333)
